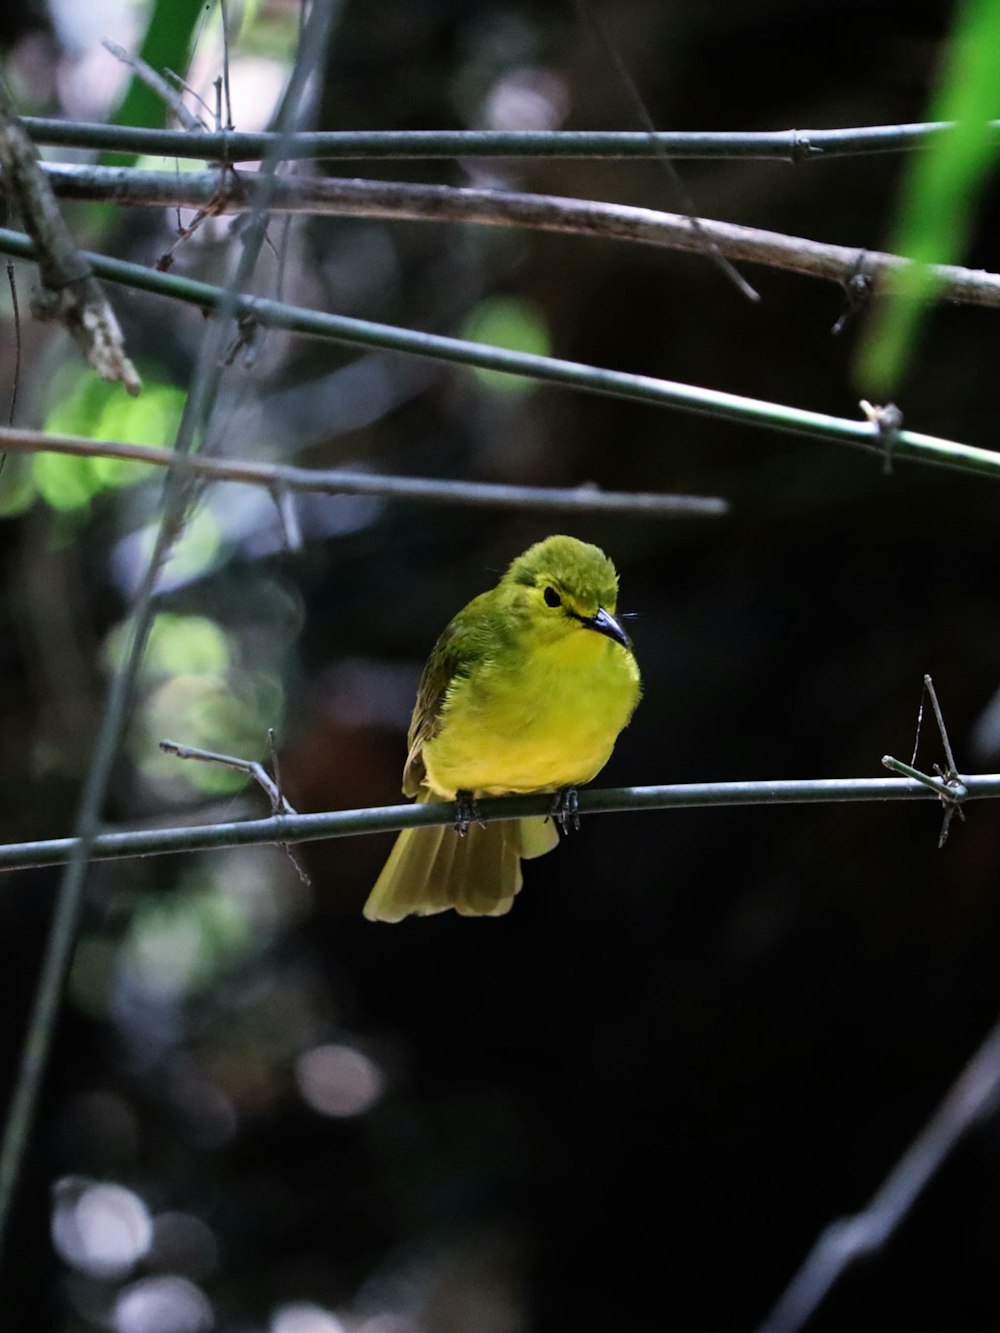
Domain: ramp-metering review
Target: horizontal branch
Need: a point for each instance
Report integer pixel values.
(231, 146)
(867, 435)
(277, 477)
(387, 819)
(232, 192)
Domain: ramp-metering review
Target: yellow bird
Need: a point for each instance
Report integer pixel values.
(525, 691)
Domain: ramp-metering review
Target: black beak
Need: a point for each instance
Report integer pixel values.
(607, 624)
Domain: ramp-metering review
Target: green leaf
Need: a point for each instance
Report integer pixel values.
(939, 193)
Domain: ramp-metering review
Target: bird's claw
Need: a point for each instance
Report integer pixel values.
(466, 813)
(566, 809)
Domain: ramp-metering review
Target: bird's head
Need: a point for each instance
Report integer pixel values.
(564, 586)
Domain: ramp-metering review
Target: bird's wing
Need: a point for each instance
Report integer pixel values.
(443, 665)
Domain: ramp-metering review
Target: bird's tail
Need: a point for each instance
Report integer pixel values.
(432, 869)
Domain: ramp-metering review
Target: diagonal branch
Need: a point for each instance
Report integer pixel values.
(864, 435)
(68, 289)
(233, 193)
(844, 1243)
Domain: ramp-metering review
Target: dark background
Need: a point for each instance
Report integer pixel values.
(700, 1035)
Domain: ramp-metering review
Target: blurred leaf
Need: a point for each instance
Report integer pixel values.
(229, 714)
(178, 945)
(64, 481)
(940, 191)
(88, 406)
(91, 974)
(507, 321)
(191, 644)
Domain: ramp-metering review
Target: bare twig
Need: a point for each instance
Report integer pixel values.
(972, 1097)
(510, 208)
(387, 819)
(227, 96)
(589, 13)
(280, 478)
(949, 755)
(950, 774)
(288, 517)
(947, 782)
(252, 768)
(182, 86)
(68, 289)
(157, 83)
(16, 309)
(280, 805)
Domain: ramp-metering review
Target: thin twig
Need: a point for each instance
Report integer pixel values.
(862, 435)
(16, 309)
(157, 84)
(942, 729)
(972, 1097)
(252, 768)
(288, 517)
(387, 819)
(510, 208)
(282, 478)
(950, 774)
(590, 14)
(182, 86)
(227, 95)
(948, 789)
(796, 146)
(946, 783)
(280, 805)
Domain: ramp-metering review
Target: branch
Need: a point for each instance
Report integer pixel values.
(233, 193)
(277, 477)
(770, 145)
(972, 1097)
(865, 435)
(386, 819)
(157, 84)
(69, 289)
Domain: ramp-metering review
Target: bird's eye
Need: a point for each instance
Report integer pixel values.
(552, 598)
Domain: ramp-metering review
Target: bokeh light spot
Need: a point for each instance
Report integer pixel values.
(100, 1229)
(338, 1080)
(163, 1305)
(303, 1317)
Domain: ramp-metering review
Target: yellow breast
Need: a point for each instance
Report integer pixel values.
(547, 720)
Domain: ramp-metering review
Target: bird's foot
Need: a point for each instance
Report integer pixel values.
(466, 812)
(566, 809)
